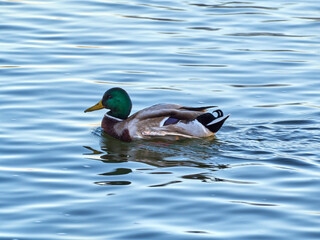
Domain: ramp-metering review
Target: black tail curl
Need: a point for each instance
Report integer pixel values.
(212, 122)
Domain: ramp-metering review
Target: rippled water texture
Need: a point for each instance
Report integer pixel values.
(62, 178)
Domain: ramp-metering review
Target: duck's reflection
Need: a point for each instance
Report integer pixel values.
(157, 155)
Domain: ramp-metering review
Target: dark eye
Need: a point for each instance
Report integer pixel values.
(109, 97)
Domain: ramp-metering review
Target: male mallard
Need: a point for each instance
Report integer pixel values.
(160, 120)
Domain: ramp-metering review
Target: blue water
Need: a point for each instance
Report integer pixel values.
(62, 178)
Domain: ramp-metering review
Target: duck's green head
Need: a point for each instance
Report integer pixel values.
(117, 100)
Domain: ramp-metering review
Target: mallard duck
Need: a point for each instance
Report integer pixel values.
(160, 120)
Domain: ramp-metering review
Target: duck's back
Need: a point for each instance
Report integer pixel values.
(167, 120)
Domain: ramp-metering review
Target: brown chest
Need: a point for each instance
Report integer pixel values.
(109, 126)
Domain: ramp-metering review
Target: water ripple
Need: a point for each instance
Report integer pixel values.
(63, 178)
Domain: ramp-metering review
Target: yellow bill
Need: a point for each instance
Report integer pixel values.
(98, 106)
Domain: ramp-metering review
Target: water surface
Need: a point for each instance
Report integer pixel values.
(62, 178)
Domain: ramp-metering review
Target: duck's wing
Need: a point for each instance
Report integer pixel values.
(198, 109)
(169, 110)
